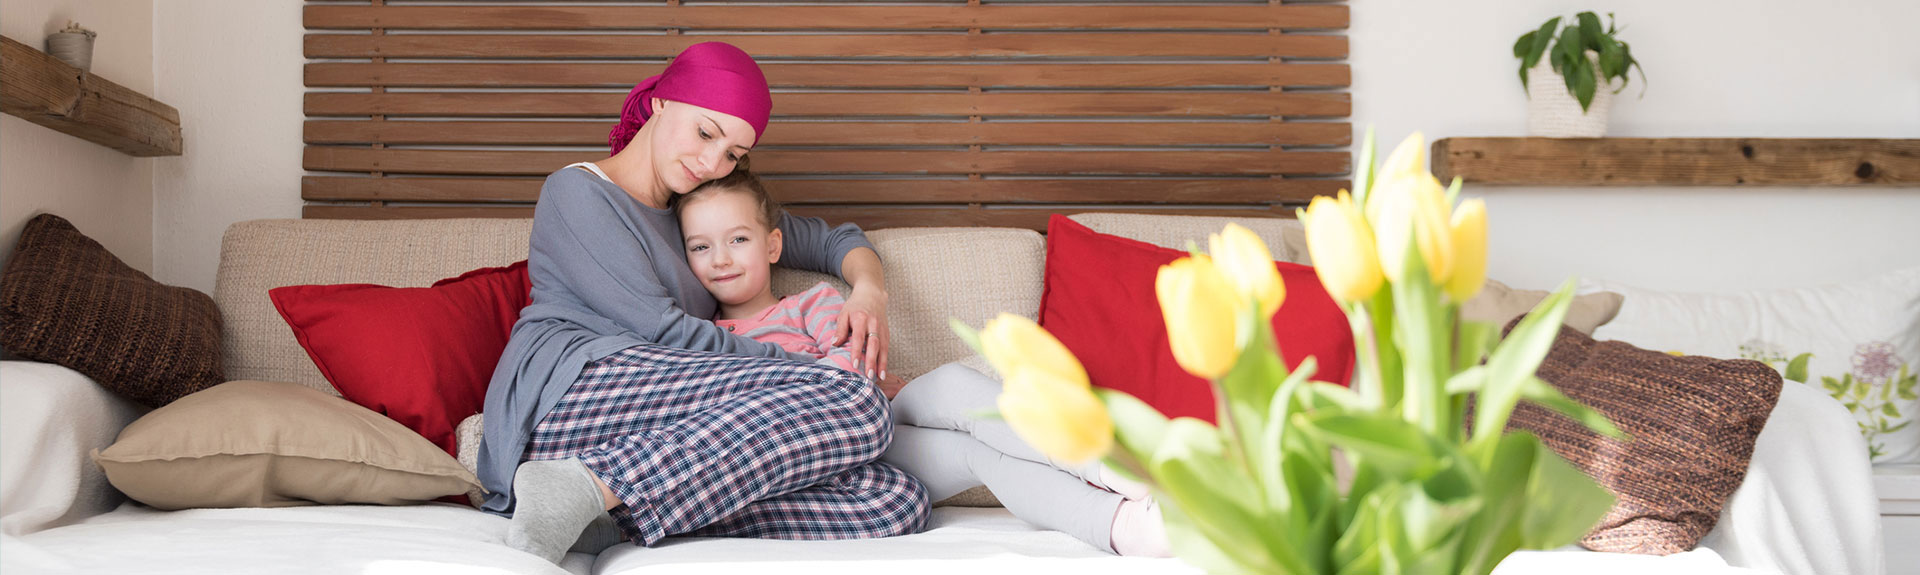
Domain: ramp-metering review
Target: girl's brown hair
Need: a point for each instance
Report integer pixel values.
(741, 180)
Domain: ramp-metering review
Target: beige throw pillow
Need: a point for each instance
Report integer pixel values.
(272, 444)
(1498, 304)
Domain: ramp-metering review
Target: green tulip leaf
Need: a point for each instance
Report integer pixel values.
(1396, 447)
(1516, 359)
(1362, 536)
(1563, 503)
(1494, 533)
(1138, 426)
(1545, 395)
(1216, 498)
(1192, 546)
(1269, 452)
(1469, 381)
(967, 334)
(1363, 177)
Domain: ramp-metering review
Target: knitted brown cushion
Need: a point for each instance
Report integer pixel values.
(65, 300)
(1692, 422)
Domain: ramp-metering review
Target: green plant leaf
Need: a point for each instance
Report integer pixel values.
(1469, 381)
(1476, 337)
(1269, 453)
(1544, 394)
(1541, 39)
(1359, 544)
(1397, 447)
(1523, 45)
(1562, 502)
(1363, 177)
(1797, 369)
(967, 334)
(1516, 359)
(1138, 426)
(1582, 82)
(1220, 500)
(1494, 533)
(1591, 34)
(1248, 387)
(1192, 546)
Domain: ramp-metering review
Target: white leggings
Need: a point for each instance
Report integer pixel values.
(938, 438)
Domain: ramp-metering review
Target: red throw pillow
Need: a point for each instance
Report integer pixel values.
(422, 356)
(1099, 301)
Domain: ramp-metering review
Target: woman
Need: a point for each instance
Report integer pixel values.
(616, 395)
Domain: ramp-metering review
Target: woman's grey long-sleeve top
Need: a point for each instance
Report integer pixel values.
(611, 273)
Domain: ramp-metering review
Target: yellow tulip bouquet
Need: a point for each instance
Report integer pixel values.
(1308, 477)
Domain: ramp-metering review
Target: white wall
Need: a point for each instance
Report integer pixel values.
(233, 68)
(1762, 68)
(108, 195)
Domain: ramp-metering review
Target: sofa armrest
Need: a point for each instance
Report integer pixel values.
(51, 417)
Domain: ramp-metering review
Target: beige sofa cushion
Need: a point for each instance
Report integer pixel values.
(259, 255)
(1498, 304)
(933, 274)
(1286, 238)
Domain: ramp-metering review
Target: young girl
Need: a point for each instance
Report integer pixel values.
(732, 242)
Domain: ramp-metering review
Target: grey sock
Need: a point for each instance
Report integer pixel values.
(599, 535)
(555, 500)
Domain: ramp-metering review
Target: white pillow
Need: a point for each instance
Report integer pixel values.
(1864, 338)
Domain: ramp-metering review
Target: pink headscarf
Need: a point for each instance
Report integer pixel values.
(712, 75)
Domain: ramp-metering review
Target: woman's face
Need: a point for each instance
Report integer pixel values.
(693, 144)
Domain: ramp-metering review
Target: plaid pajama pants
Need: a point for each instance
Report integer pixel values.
(707, 444)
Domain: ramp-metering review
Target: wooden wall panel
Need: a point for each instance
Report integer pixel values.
(941, 112)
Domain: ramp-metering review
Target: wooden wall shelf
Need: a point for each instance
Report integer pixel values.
(46, 91)
(1678, 161)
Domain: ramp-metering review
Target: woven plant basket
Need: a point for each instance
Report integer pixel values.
(1553, 112)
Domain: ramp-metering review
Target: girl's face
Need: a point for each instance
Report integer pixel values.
(691, 144)
(728, 248)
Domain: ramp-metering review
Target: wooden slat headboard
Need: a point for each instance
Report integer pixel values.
(957, 112)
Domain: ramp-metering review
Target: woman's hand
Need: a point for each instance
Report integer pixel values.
(862, 329)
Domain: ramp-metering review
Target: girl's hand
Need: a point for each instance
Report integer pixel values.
(862, 329)
(891, 386)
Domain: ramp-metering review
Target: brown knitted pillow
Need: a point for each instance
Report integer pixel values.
(1691, 420)
(64, 299)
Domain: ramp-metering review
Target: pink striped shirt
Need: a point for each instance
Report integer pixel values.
(800, 323)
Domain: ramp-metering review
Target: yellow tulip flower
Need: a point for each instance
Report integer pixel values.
(1342, 247)
(1410, 157)
(1243, 257)
(1060, 418)
(1411, 205)
(1469, 233)
(1013, 343)
(1200, 306)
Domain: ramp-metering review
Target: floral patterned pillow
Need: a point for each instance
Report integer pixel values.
(1859, 342)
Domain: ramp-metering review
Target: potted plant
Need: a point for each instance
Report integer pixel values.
(1582, 57)
(1434, 488)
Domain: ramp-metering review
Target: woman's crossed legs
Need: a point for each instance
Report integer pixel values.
(720, 445)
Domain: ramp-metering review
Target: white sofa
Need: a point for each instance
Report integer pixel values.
(1805, 508)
